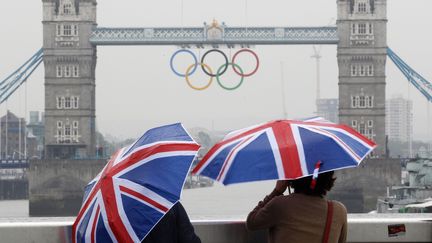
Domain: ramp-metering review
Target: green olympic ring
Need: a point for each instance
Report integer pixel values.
(223, 67)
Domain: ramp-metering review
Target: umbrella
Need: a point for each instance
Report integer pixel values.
(284, 149)
(139, 184)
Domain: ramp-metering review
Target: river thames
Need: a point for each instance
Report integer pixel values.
(216, 202)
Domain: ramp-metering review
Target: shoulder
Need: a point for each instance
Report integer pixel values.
(339, 207)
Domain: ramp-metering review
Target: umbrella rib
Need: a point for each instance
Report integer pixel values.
(231, 156)
(348, 149)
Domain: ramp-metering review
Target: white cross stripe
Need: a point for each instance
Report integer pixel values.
(276, 153)
(122, 213)
(93, 217)
(155, 156)
(85, 213)
(337, 140)
(352, 136)
(233, 153)
(125, 156)
(300, 149)
(146, 192)
(105, 222)
(216, 153)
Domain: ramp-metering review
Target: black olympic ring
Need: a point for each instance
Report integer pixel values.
(221, 70)
(225, 65)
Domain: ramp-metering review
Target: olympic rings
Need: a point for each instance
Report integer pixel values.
(203, 66)
(225, 66)
(256, 59)
(175, 54)
(208, 70)
(226, 62)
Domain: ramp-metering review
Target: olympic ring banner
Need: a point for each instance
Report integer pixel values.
(190, 70)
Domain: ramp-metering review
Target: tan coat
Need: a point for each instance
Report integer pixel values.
(298, 218)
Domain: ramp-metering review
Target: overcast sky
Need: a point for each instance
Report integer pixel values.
(136, 89)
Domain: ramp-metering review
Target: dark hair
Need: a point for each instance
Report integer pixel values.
(324, 183)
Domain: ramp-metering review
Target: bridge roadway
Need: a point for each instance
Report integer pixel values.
(361, 228)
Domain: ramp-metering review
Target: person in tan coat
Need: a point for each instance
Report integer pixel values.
(301, 217)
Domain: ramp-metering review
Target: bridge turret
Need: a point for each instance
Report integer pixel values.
(70, 61)
(362, 58)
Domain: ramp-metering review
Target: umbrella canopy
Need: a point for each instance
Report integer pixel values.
(283, 149)
(139, 184)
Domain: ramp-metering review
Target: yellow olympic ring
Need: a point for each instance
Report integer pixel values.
(204, 66)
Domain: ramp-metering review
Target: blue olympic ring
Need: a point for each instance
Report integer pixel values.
(175, 54)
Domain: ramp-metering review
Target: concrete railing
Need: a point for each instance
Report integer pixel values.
(361, 228)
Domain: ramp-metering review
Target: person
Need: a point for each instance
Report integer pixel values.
(301, 216)
(174, 227)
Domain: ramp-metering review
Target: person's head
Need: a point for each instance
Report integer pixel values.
(324, 184)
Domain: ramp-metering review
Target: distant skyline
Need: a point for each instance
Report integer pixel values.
(136, 90)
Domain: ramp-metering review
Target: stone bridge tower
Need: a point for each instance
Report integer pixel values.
(70, 62)
(362, 53)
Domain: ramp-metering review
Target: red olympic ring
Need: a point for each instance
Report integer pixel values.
(246, 74)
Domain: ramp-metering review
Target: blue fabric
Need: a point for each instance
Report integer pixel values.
(141, 216)
(319, 147)
(254, 162)
(83, 226)
(165, 176)
(173, 132)
(102, 234)
(212, 170)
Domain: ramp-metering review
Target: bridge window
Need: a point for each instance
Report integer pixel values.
(59, 71)
(67, 71)
(362, 128)
(353, 70)
(75, 71)
(362, 101)
(67, 133)
(362, 70)
(75, 102)
(369, 101)
(362, 6)
(370, 70)
(67, 102)
(362, 28)
(67, 8)
(58, 27)
(75, 30)
(67, 30)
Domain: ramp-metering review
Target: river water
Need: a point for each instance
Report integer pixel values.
(217, 202)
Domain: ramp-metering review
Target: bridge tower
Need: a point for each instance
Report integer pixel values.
(361, 52)
(70, 62)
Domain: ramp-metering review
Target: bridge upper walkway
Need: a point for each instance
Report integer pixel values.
(215, 35)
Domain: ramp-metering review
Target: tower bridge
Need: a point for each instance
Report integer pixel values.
(71, 37)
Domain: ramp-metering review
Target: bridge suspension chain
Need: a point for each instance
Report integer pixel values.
(422, 85)
(9, 85)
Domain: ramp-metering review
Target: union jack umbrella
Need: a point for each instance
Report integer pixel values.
(136, 188)
(284, 149)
